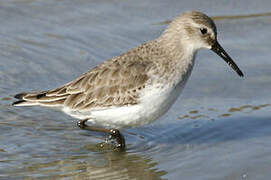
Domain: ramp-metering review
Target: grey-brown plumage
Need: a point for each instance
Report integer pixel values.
(164, 64)
(140, 85)
(116, 82)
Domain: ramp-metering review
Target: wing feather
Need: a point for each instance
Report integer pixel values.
(115, 82)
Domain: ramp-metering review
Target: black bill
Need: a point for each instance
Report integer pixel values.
(222, 53)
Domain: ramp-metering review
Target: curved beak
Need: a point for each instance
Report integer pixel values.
(222, 53)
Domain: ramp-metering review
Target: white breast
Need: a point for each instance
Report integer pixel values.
(153, 104)
(154, 101)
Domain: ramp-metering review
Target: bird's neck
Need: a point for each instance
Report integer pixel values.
(181, 57)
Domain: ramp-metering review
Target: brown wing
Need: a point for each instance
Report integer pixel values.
(115, 82)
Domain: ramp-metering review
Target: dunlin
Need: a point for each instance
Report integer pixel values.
(138, 86)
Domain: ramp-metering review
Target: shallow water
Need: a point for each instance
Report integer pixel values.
(218, 129)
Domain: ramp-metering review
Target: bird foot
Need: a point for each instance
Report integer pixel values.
(115, 137)
(118, 137)
(81, 123)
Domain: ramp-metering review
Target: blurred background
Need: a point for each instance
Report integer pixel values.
(218, 129)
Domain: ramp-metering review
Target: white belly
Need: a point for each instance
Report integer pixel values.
(153, 103)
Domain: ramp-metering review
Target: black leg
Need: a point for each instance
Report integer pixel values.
(115, 134)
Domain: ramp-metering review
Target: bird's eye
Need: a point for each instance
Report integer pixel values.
(203, 30)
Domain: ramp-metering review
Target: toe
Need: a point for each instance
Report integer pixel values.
(81, 124)
(114, 133)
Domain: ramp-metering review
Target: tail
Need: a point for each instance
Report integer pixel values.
(51, 98)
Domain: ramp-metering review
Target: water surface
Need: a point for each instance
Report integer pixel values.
(218, 129)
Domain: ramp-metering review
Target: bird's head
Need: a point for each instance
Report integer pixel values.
(194, 30)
